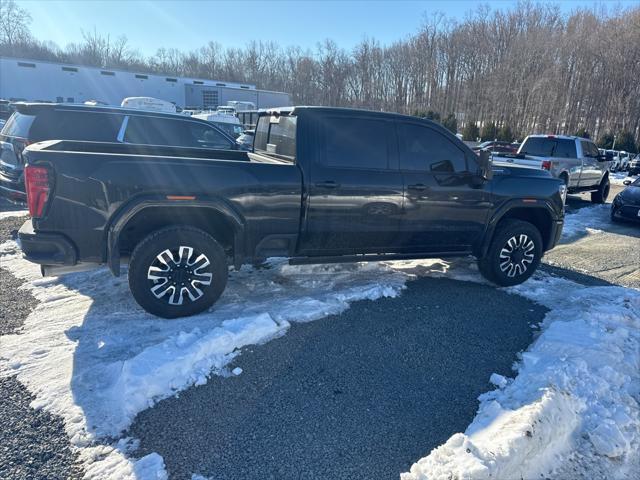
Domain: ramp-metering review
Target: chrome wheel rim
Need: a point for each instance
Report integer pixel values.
(176, 276)
(517, 255)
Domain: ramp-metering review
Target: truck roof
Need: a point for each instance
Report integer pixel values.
(561, 137)
(302, 109)
(33, 107)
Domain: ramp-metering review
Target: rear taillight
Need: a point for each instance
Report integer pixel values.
(546, 165)
(36, 181)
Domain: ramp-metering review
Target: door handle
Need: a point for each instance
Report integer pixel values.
(327, 184)
(418, 186)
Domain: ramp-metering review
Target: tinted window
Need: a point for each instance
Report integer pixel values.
(356, 143)
(203, 136)
(67, 125)
(549, 147)
(424, 149)
(18, 125)
(589, 149)
(277, 135)
(177, 133)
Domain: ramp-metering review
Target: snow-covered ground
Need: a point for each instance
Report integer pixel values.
(618, 178)
(14, 213)
(89, 354)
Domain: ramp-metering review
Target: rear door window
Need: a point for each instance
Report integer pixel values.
(356, 143)
(155, 131)
(426, 150)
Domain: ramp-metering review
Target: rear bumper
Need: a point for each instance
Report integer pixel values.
(46, 248)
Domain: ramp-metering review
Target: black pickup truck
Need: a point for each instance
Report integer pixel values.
(321, 185)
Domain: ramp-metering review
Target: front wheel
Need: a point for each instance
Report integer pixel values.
(177, 271)
(514, 253)
(600, 195)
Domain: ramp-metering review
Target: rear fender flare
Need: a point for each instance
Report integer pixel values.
(126, 213)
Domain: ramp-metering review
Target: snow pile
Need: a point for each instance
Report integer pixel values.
(89, 354)
(14, 213)
(572, 411)
(589, 220)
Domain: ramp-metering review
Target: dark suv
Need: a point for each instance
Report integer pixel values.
(35, 122)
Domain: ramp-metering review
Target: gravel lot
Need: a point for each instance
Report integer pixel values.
(33, 443)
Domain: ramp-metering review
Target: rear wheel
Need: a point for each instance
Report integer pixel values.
(514, 253)
(177, 271)
(601, 194)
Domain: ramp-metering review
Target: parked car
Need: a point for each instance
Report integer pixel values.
(614, 164)
(574, 160)
(224, 121)
(626, 205)
(246, 139)
(625, 157)
(634, 166)
(496, 147)
(322, 185)
(34, 122)
(5, 109)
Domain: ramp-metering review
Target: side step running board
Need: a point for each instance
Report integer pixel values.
(374, 257)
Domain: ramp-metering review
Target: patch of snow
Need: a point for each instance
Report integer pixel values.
(572, 409)
(618, 178)
(14, 213)
(586, 221)
(91, 355)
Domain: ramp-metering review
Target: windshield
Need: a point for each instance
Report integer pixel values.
(549, 147)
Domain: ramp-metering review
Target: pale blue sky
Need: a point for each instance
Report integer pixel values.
(187, 25)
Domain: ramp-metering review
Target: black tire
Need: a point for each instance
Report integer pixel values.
(613, 214)
(565, 179)
(523, 243)
(600, 195)
(151, 268)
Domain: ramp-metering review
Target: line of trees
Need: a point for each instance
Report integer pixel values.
(497, 72)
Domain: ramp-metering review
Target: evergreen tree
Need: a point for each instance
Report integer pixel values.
(625, 141)
(606, 141)
(489, 132)
(505, 134)
(470, 132)
(582, 133)
(450, 123)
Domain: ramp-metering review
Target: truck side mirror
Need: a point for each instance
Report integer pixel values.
(485, 169)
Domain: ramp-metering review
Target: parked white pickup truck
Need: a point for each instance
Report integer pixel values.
(574, 160)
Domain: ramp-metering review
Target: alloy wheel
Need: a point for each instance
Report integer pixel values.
(517, 255)
(177, 275)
